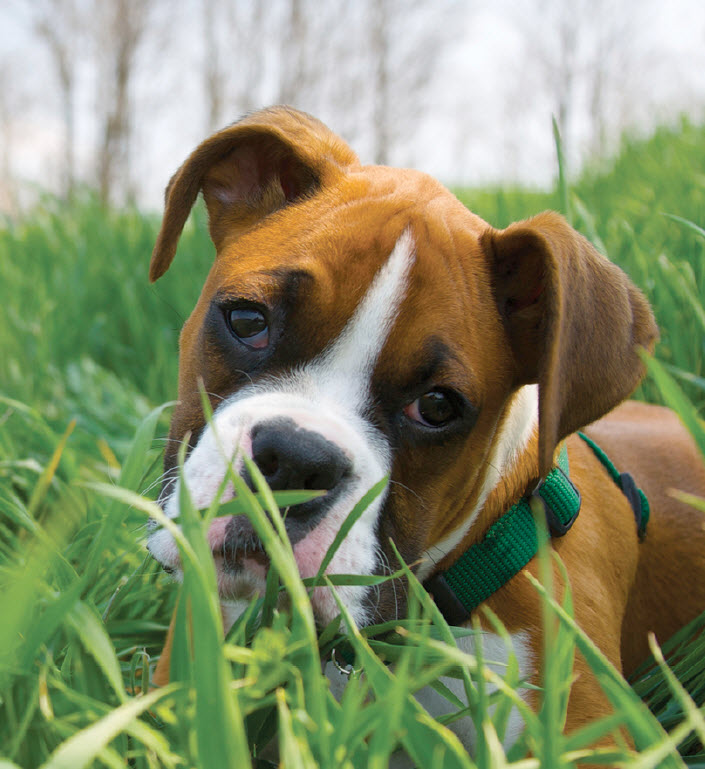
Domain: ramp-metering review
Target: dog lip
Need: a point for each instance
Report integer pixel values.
(233, 560)
(234, 539)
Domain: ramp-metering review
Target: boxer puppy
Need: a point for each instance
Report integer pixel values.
(359, 322)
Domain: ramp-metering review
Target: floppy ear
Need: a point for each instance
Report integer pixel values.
(267, 160)
(574, 322)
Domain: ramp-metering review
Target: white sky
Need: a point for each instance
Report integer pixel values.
(486, 122)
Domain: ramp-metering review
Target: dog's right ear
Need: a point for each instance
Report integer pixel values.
(264, 162)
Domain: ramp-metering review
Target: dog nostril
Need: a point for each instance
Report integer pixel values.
(268, 463)
(314, 483)
(324, 478)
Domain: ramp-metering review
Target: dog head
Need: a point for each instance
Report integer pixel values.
(359, 322)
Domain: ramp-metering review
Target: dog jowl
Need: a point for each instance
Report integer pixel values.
(359, 322)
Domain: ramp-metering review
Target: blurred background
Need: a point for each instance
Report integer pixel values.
(113, 94)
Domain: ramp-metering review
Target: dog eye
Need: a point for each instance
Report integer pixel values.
(435, 408)
(249, 325)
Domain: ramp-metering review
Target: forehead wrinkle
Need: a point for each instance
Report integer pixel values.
(436, 360)
(352, 358)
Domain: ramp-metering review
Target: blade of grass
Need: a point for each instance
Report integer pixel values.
(676, 399)
(49, 471)
(693, 714)
(563, 191)
(690, 225)
(218, 720)
(270, 529)
(80, 750)
(643, 727)
(97, 643)
(353, 516)
(421, 732)
(130, 478)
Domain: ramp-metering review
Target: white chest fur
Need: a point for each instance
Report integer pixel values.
(496, 655)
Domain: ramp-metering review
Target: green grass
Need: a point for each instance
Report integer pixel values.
(88, 353)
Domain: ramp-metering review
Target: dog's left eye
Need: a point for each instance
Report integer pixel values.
(435, 408)
(249, 325)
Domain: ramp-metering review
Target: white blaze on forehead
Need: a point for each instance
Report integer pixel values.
(347, 366)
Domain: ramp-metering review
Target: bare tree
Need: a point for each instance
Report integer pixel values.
(8, 192)
(57, 24)
(278, 52)
(213, 75)
(247, 30)
(241, 40)
(292, 74)
(380, 47)
(581, 54)
(406, 40)
(553, 33)
(355, 64)
(609, 72)
(122, 25)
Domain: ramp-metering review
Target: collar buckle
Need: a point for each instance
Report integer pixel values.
(451, 607)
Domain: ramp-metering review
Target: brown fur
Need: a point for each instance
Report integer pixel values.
(532, 303)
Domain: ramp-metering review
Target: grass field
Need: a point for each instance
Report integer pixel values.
(87, 360)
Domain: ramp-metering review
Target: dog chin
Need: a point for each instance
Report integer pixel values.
(242, 565)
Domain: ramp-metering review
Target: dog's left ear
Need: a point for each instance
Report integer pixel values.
(267, 160)
(574, 322)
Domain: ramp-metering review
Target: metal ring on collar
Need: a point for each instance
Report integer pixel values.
(346, 671)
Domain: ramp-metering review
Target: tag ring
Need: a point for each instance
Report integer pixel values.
(346, 671)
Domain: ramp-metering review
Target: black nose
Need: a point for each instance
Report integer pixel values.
(292, 458)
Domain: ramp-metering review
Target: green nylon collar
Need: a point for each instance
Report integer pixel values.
(512, 541)
(637, 498)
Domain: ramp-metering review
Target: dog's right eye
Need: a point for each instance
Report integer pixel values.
(436, 408)
(249, 325)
